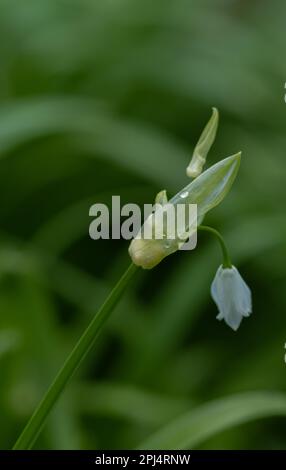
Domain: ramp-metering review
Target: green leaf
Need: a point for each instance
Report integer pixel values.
(124, 401)
(207, 420)
(131, 144)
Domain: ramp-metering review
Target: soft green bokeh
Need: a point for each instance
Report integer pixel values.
(109, 97)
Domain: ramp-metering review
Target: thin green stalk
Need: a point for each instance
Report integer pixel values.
(226, 258)
(37, 420)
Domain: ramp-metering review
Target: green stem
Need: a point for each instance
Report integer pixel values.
(37, 420)
(226, 258)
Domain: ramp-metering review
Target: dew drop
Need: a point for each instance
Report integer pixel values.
(184, 195)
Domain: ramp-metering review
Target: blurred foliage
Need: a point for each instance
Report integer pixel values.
(109, 97)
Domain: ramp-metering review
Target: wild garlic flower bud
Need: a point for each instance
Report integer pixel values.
(232, 296)
(206, 191)
(203, 146)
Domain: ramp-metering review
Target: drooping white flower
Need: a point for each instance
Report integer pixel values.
(232, 296)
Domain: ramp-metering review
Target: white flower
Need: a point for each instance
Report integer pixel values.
(232, 296)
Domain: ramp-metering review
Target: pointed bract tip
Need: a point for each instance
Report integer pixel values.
(215, 110)
(235, 158)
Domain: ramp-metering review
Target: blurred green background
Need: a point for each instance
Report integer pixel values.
(108, 97)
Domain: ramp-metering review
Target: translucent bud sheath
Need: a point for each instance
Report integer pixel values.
(203, 146)
(206, 191)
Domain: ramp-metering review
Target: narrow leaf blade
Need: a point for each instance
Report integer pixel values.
(207, 420)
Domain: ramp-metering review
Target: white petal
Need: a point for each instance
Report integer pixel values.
(231, 295)
(242, 295)
(215, 287)
(219, 317)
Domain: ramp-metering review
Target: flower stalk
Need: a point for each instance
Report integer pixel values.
(83, 346)
(225, 253)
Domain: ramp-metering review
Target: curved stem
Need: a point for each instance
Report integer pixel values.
(226, 258)
(86, 341)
